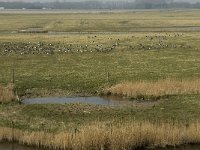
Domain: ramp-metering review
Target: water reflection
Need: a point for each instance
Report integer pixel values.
(112, 101)
(106, 101)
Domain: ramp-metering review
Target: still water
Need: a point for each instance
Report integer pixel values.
(105, 101)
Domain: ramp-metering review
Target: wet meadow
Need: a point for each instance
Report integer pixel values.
(141, 56)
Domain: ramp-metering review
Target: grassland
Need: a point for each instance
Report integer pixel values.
(136, 57)
(110, 50)
(99, 22)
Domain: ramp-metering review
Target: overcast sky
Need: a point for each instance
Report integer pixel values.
(86, 0)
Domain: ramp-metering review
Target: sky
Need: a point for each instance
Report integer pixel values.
(192, 1)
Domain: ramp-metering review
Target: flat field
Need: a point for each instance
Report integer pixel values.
(69, 54)
(105, 21)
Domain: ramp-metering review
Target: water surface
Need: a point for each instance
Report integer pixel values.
(112, 101)
(105, 101)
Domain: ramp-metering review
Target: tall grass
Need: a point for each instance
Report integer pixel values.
(106, 136)
(158, 88)
(7, 94)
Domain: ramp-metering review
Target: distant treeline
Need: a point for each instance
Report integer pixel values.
(138, 4)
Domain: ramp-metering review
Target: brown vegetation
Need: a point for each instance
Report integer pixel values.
(108, 136)
(157, 89)
(7, 94)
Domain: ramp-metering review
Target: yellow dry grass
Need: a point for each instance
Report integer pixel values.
(6, 93)
(158, 88)
(115, 137)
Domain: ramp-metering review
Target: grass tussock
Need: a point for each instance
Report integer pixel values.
(158, 89)
(7, 94)
(113, 137)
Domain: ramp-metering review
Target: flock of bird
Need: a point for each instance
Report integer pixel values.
(24, 48)
(159, 42)
(149, 42)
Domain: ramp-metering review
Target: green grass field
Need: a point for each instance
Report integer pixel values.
(73, 63)
(135, 57)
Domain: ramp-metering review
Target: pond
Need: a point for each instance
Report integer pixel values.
(104, 101)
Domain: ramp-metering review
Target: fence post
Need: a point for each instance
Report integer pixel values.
(13, 76)
(108, 76)
(13, 136)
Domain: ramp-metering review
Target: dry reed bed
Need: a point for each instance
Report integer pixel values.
(6, 93)
(158, 88)
(113, 137)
